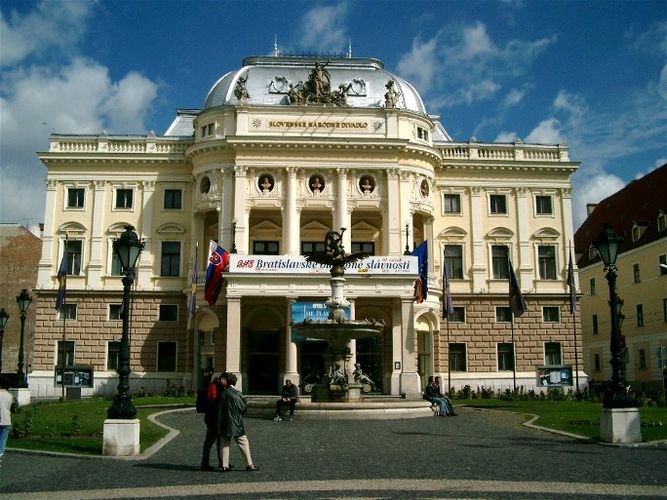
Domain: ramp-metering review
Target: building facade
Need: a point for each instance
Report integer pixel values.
(638, 213)
(284, 150)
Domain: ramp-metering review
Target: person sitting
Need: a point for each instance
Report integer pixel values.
(448, 402)
(288, 397)
(432, 394)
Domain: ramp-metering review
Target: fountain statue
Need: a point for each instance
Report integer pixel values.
(338, 382)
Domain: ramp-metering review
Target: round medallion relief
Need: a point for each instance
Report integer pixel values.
(424, 188)
(265, 183)
(316, 183)
(366, 184)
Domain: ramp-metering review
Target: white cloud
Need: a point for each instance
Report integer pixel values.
(420, 64)
(513, 97)
(591, 187)
(506, 137)
(323, 28)
(547, 132)
(52, 25)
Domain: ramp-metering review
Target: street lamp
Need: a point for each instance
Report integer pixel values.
(407, 236)
(4, 317)
(616, 395)
(127, 247)
(233, 250)
(23, 299)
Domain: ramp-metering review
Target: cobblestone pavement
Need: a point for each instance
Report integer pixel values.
(478, 454)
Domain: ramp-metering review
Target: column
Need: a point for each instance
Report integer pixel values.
(406, 217)
(566, 216)
(477, 216)
(95, 265)
(391, 223)
(226, 207)
(146, 233)
(342, 216)
(290, 348)
(240, 214)
(352, 344)
(410, 381)
(291, 222)
(233, 340)
(524, 266)
(428, 236)
(396, 349)
(48, 264)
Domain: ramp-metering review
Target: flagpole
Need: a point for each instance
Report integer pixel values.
(449, 363)
(513, 357)
(573, 310)
(62, 348)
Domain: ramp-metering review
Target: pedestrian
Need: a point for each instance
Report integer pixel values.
(448, 402)
(6, 401)
(288, 397)
(212, 393)
(432, 394)
(232, 406)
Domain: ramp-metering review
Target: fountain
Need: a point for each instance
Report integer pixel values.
(339, 382)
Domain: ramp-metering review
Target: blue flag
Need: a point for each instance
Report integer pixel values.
(421, 283)
(517, 302)
(62, 281)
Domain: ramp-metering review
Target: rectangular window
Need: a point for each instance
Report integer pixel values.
(166, 356)
(363, 246)
(593, 288)
(210, 129)
(499, 258)
(69, 310)
(124, 198)
(75, 197)
(664, 310)
(458, 316)
(595, 324)
(551, 314)
(498, 204)
(173, 198)
(596, 362)
(662, 222)
(547, 261)
(114, 312)
(642, 358)
(635, 273)
(505, 356)
(168, 312)
(639, 308)
(457, 357)
(662, 264)
(310, 247)
(265, 247)
(454, 261)
(170, 264)
(113, 353)
(552, 353)
(115, 265)
(543, 205)
(503, 314)
(68, 352)
(452, 203)
(74, 249)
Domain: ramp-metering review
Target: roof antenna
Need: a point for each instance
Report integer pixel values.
(349, 47)
(276, 52)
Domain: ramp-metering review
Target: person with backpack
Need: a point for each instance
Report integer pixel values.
(207, 403)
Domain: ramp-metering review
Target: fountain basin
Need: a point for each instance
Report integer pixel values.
(337, 334)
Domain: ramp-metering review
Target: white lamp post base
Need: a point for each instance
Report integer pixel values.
(21, 395)
(121, 437)
(620, 425)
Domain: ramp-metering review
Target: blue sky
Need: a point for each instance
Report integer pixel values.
(589, 74)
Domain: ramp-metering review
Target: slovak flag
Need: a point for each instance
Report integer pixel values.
(218, 262)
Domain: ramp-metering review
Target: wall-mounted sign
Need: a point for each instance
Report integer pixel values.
(554, 376)
(297, 264)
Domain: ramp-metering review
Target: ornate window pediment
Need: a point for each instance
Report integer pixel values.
(499, 233)
(453, 233)
(170, 228)
(73, 228)
(546, 234)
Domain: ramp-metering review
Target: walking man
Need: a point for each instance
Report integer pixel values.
(288, 397)
(232, 407)
(213, 390)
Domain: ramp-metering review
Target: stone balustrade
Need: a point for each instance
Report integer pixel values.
(106, 144)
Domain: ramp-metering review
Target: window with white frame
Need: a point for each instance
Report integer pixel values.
(642, 358)
(115, 312)
(662, 222)
(543, 205)
(363, 246)
(596, 329)
(452, 203)
(551, 314)
(124, 198)
(552, 353)
(505, 352)
(68, 312)
(592, 287)
(74, 250)
(459, 315)
(113, 353)
(170, 261)
(497, 204)
(503, 314)
(596, 362)
(173, 199)
(664, 310)
(500, 262)
(636, 276)
(75, 197)
(662, 264)
(166, 356)
(546, 255)
(116, 268)
(639, 310)
(454, 261)
(66, 349)
(457, 357)
(168, 312)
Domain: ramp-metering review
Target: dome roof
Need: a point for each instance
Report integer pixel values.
(268, 80)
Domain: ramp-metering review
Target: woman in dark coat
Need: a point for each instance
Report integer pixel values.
(232, 407)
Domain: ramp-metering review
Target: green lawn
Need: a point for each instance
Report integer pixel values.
(52, 427)
(577, 417)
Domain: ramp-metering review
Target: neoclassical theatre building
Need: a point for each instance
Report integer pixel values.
(284, 150)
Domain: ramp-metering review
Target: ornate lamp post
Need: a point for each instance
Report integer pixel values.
(233, 250)
(23, 299)
(4, 317)
(616, 395)
(127, 247)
